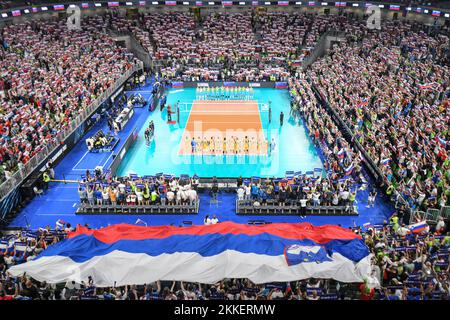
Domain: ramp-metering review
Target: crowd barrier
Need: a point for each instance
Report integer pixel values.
(431, 215)
(87, 209)
(120, 154)
(246, 207)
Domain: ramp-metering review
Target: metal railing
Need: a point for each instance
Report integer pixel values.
(246, 207)
(431, 216)
(51, 146)
(153, 209)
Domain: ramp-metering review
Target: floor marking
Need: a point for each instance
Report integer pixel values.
(80, 160)
(139, 91)
(107, 160)
(232, 112)
(208, 102)
(55, 200)
(64, 187)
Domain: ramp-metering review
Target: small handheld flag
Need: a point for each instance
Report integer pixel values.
(418, 227)
(138, 221)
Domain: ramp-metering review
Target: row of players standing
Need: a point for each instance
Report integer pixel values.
(232, 145)
(225, 93)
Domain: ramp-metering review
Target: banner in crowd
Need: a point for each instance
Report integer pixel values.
(177, 84)
(129, 254)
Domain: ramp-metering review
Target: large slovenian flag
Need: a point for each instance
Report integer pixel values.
(129, 254)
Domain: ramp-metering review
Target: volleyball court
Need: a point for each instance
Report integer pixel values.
(224, 127)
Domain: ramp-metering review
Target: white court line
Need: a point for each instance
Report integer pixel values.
(73, 169)
(138, 91)
(54, 200)
(74, 205)
(225, 103)
(237, 113)
(107, 160)
(73, 187)
(100, 164)
(80, 160)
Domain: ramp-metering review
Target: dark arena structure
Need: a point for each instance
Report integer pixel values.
(224, 150)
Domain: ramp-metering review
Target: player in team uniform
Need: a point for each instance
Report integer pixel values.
(235, 145)
(211, 145)
(258, 145)
(252, 145)
(246, 145)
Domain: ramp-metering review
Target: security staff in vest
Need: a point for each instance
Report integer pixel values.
(45, 179)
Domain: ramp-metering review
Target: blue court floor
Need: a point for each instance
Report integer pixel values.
(61, 200)
(294, 151)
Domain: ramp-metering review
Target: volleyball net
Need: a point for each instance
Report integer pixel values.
(210, 110)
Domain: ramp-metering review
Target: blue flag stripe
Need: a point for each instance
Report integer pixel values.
(84, 247)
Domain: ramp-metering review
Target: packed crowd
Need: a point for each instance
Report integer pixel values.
(101, 188)
(240, 46)
(391, 89)
(413, 155)
(343, 166)
(301, 191)
(407, 266)
(4, 4)
(48, 76)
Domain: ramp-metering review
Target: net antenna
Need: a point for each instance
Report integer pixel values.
(178, 111)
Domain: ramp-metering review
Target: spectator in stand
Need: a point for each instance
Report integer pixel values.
(47, 82)
(415, 267)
